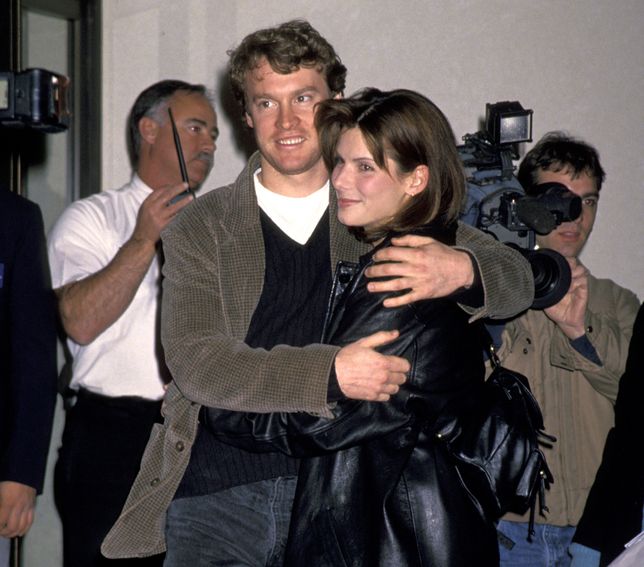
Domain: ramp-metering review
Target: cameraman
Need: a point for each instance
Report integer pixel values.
(573, 353)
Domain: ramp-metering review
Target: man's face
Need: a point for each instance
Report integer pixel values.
(569, 237)
(196, 123)
(281, 110)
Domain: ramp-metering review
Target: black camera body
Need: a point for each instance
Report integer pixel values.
(498, 205)
(513, 217)
(35, 99)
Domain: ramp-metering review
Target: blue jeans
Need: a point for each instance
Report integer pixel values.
(5, 546)
(548, 548)
(583, 556)
(242, 526)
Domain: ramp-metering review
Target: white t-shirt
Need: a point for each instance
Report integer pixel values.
(121, 361)
(296, 217)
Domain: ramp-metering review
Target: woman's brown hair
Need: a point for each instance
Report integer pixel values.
(408, 128)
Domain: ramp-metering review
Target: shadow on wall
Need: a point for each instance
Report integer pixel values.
(228, 106)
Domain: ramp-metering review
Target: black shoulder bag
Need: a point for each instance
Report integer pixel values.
(495, 445)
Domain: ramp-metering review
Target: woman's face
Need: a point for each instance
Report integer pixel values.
(368, 196)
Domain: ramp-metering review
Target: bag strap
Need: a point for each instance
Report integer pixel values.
(494, 358)
(488, 345)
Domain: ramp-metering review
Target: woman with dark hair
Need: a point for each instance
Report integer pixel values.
(376, 486)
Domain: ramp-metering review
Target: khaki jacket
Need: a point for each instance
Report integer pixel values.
(576, 395)
(213, 277)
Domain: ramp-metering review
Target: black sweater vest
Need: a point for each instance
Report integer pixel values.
(290, 311)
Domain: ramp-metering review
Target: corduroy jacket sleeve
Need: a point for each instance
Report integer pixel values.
(506, 276)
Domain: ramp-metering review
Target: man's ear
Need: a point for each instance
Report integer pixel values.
(418, 180)
(248, 119)
(149, 129)
(338, 96)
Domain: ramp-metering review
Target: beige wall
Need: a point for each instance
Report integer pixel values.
(578, 64)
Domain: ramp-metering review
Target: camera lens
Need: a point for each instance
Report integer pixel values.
(551, 276)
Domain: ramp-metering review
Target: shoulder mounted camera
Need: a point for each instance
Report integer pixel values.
(498, 204)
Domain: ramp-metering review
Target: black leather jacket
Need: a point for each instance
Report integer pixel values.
(377, 488)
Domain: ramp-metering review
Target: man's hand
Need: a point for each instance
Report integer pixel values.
(365, 374)
(423, 265)
(570, 313)
(156, 212)
(17, 502)
(89, 306)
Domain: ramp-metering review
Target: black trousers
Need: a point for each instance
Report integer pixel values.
(103, 442)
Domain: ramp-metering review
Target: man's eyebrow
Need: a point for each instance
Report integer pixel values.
(197, 121)
(203, 123)
(309, 88)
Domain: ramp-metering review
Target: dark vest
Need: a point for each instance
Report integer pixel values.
(290, 311)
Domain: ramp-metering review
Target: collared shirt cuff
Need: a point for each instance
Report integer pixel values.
(584, 347)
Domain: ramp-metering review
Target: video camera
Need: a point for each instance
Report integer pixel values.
(34, 98)
(497, 203)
